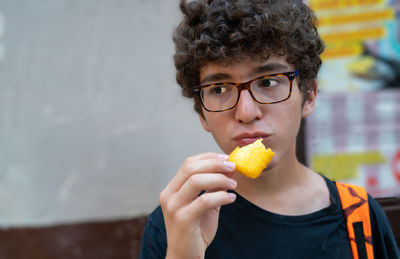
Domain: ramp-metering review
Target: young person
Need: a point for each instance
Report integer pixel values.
(251, 67)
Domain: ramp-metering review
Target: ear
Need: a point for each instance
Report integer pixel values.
(204, 122)
(309, 102)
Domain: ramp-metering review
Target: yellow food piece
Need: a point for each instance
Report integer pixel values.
(252, 159)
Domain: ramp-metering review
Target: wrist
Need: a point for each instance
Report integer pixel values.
(172, 255)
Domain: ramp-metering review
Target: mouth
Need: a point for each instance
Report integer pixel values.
(245, 139)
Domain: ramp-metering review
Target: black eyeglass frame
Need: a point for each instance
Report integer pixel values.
(246, 86)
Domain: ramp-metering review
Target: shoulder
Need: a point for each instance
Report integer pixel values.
(351, 195)
(383, 239)
(155, 222)
(382, 236)
(156, 219)
(154, 239)
(375, 209)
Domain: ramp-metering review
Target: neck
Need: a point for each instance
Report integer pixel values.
(287, 187)
(285, 175)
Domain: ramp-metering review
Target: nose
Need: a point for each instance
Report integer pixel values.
(247, 109)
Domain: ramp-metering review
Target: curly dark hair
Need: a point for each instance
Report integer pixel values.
(224, 30)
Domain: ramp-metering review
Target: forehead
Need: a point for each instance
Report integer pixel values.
(244, 69)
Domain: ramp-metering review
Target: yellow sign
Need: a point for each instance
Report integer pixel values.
(342, 166)
(354, 35)
(345, 24)
(348, 18)
(337, 50)
(330, 4)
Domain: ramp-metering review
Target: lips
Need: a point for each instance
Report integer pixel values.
(247, 138)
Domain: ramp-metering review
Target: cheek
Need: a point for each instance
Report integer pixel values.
(290, 110)
(287, 119)
(219, 127)
(215, 125)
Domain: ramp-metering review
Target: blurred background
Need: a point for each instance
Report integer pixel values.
(354, 134)
(93, 126)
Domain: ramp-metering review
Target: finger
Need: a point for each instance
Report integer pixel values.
(183, 173)
(206, 202)
(198, 182)
(203, 163)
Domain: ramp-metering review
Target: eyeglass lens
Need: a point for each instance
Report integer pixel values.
(264, 90)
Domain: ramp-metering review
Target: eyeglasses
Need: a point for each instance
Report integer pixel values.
(266, 89)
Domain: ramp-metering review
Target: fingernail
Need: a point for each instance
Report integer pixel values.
(232, 196)
(230, 165)
(223, 156)
(232, 183)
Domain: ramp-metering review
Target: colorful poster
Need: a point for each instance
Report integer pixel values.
(354, 132)
(355, 138)
(362, 44)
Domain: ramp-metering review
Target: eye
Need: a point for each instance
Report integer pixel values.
(218, 90)
(267, 82)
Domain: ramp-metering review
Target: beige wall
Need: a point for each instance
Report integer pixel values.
(92, 124)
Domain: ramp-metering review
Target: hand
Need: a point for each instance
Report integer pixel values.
(191, 221)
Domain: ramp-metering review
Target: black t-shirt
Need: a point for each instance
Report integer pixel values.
(247, 231)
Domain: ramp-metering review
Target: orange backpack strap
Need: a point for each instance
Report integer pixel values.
(354, 200)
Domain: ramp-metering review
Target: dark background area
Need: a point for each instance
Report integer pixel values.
(105, 240)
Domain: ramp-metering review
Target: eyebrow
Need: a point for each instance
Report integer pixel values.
(215, 77)
(270, 67)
